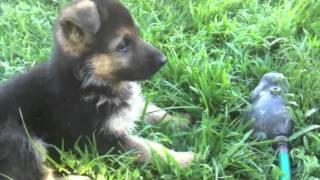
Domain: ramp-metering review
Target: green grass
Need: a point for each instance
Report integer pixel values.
(218, 50)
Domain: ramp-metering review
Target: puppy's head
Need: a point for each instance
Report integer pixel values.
(103, 36)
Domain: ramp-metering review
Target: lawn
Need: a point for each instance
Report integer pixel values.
(217, 51)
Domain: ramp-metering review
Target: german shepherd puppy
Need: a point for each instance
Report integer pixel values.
(88, 88)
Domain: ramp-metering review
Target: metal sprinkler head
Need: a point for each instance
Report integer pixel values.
(268, 107)
(271, 117)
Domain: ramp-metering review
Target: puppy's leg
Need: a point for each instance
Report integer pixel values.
(23, 159)
(155, 115)
(71, 177)
(144, 149)
(18, 158)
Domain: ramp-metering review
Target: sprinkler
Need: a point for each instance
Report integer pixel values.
(271, 118)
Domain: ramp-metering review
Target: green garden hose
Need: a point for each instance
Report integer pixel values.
(283, 156)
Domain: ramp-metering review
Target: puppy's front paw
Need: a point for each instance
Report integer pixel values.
(181, 120)
(184, 159)
(74, 177)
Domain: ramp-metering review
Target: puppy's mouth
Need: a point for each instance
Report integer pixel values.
(140, 73)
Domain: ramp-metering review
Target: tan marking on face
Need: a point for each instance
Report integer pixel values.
(131, 31)
(114, 43)
(122, 32)
(104, 65)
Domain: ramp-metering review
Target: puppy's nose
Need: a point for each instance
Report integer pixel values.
(161, 59)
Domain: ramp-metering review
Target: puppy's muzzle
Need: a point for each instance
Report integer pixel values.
(160, 59)
(156, 59)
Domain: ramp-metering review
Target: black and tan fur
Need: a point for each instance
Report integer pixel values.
(88, 87)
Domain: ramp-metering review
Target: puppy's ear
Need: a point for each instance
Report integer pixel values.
(77, 27)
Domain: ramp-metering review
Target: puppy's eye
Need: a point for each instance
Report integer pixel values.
(124, 45)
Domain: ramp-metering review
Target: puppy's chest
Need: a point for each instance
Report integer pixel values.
(122, 120)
